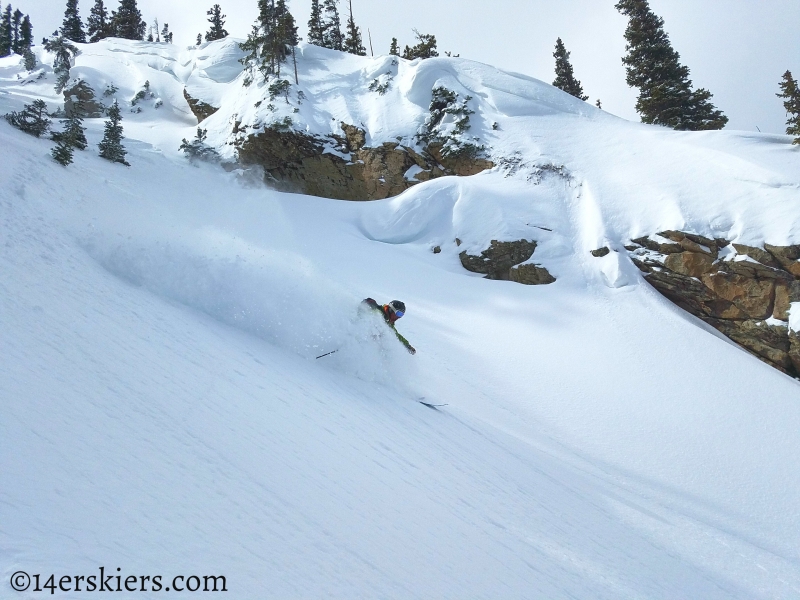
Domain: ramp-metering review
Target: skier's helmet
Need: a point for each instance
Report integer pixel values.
(398, 308)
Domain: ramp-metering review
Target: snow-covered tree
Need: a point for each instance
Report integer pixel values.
(316, 27)
(111, 147)
(99, 24)
(73, 132)
(127, 21)
(272, 39)
(332, 25)
(62, 153)
(217, 20)
(166, 34)
(197, 149)
(72, 27)
(394, 49)
(790, 92)
(353, 42)
(16, 23)
(199, 39)
(32, 119)
(425, 47)
(6, 32)
(72, 136)
(64, 53)
(25, 39)
(565, 77)
(666, 96)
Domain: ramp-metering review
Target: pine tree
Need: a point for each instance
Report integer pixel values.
(6, 32)
(99, 25)
(62, 153)
(16, 23)
(197, 149)
(31, 119)
(394, 49)
(25, 36)
(72, 27)
(790, 92)
(127, 22)
(217, 20)
(166, 34)
(332, 26)
(353, 42)
(425, 47)
(565, 77)
(111, 147)
(272, 39)
(653, 66)
(316, 28)
(599, 104)
(199, 39)
(73, 133)
(29, 59)
(64, 53)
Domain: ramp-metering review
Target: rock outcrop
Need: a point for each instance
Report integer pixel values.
(745, 294)
(201, 110)
(80, 100)
(344, 167)
(502, 261)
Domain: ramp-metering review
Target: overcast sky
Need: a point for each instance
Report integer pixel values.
(738, 49)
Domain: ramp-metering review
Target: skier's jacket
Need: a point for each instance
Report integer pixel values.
(391, 319)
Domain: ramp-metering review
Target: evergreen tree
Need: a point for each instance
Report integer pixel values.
(29, 59)
(653, 66)
(394, 49)
(31, 119)
(565, 77)
(6, 32)
(62, 153)
(199, 39)
(272, 39)
(197, 149)
(353, 42)
(599, 104)
(790, 92)
(316, 28)
(64, 53)
(16, 23)
(332, 26)
(111, 147)
(127, 22)
(72, 136)
(72, 27)
(425, 47)
(166, 34)
(217, 20)
(73, 133)
(25, 40)
(98, 24)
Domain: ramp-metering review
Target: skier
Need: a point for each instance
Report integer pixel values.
(391, 312)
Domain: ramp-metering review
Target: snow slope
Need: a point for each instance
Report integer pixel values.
(162, 411)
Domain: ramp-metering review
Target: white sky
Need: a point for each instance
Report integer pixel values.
(738, 49)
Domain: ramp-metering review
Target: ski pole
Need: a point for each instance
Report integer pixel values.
(328, 354)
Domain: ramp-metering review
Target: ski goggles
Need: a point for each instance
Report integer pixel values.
(398, 313)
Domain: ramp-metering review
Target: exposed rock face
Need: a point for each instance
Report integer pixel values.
(733, 295)
(82, 96)
(501, 260)
(200, 109)
(303, 163)
(601, 252)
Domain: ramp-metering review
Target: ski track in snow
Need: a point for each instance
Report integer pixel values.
(163, 411)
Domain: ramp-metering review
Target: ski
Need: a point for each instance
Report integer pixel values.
(433, 406)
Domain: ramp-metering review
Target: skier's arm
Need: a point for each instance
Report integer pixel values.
(404, 341)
